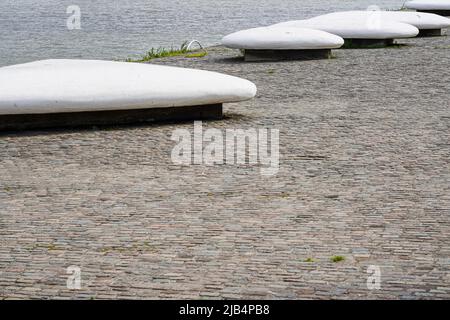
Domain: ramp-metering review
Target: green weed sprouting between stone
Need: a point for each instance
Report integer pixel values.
(46, 246)
(162, 52)
(197, 55)
(336, 259)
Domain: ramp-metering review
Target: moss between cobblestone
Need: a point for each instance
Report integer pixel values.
(145, 247)
(48, 246)
(336, 259)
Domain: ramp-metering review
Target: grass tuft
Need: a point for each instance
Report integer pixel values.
(337, 259)
(197, 55)
(162, 52)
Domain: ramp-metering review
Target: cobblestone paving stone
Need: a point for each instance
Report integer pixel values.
(364, 173)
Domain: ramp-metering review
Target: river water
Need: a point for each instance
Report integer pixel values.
(117, 29)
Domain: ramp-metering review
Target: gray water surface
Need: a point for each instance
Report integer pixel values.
(117, 29)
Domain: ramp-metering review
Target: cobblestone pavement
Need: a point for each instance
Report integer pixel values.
(364, 174)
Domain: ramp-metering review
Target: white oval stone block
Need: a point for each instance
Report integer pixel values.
(419, 20)
(428, 4)
(54, 86)
(352, 27)
(282, 38)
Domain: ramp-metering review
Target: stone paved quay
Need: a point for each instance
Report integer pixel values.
(364, 174)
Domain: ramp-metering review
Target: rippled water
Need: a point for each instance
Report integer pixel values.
(117, 29)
